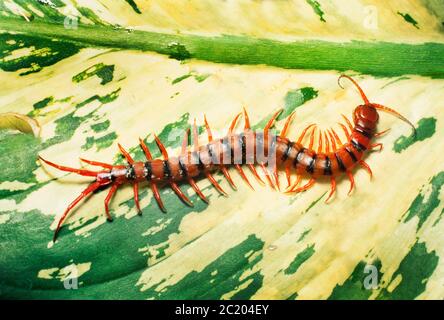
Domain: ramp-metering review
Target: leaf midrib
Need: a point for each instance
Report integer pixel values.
(382, 59)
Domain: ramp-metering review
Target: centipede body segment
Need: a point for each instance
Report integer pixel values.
(252, 149)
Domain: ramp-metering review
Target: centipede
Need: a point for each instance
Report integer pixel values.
(331, 159)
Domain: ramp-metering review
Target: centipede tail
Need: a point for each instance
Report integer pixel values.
(331, 158)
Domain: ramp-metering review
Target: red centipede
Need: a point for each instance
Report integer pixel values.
(331, 159)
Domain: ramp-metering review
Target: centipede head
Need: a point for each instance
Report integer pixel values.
(366, 115)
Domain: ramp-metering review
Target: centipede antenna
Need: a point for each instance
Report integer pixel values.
(364, 97)
(396, 114)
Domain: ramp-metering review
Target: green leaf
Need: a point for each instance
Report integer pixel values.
(80, 77)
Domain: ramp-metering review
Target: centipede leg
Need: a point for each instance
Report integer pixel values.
(337, 139)
(136, 197)
(237, 166)
(161, 147)
(242, 174)
(180, 194)
(247, 120)
(233, 123)
(332, 140)
(222, 167)
(295, 184)
(126, 154)
(376, 145)
(304, 132)
(250, 166)
(185, 142)
(135, 185)
(145, 149)
(255, 174)
(91, 188)
(378, 134)
(207, 127)
(197, 190)
(288, 175)
(266, 143)
(312, 136)
(305, 187)
(320, 142)
(267, 175)
(352, 181)
(184, 151)
(327, 143)
(349, 124)
(215, 184)
(365, 165)
(195, 137)
(110, 194)
(333, 188)
(287, 125)
(271, 122)
(228, 176)
(153, 185)
(344, 128)
(156, 194)
(276, 179)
